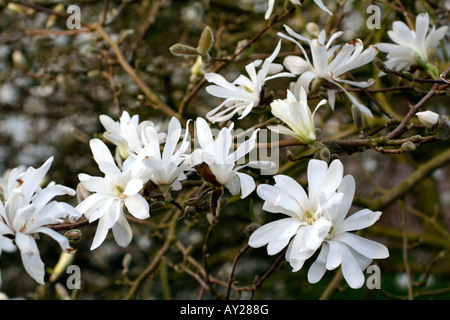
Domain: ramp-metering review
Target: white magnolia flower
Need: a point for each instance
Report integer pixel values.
(342, 247)
(328, 66)
(297, 115)
(319, 3)
(221, 160)
(244, 93)
(428, 118)
(110, 194)
(316, 219)
(28, 210)
(412, 47)
(166, 169)
(125, 131)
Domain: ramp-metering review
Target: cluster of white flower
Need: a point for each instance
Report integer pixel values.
(26, 210)
(146, 157)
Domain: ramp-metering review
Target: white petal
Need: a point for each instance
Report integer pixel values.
(122, 232)
(351, 270)
(100, 234)
(359, 220)
(291, 186)
(247, 184)
(30, 257)
(365, 247)
(334, 257)
(133, 187)
(269, 232)
(317, 268)
(138, 206)
(278, 198)
(100, 151)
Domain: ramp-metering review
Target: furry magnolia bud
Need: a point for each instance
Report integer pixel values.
(206, 41)
(183, 50)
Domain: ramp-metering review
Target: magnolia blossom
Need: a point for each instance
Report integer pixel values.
(428, 118)
(316, 219)
(217, 154)
(27, 210)
(297, 115)
(127, 128)
(319, 3)
(412, 47)
(328, 66)
(110, 194)
(244, 93)
(166, 169)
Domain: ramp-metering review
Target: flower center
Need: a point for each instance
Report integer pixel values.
(27, 223)
(309, 217)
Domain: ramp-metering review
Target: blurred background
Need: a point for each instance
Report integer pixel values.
(54, 84)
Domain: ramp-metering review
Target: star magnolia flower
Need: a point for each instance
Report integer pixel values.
(120, 132)
(317, 219)
(297, 115)
(412, 47)
(319, 3)
(328, 67)
(216, 154)
(110, 194)
(244, 93)
(26, 211)
(166, 169)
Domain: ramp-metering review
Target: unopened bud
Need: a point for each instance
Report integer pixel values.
(443, 128)
(313, 28)
(126, 261)
(408, 146)
(380, 65)
(408, 76)
(428, 118)
(73, 235)
(250, 228)
(157, 205)
(183, 50)
(206, 41)
(358, 118)
(325, 154)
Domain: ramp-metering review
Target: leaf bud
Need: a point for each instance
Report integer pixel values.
(443, 128)
(206, 41)
(358, 118)
(183, 50)
(250, 228)
(408, 146)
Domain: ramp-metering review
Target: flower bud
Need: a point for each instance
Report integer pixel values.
(325, 154)
(313, 28)
(250, 228)
(408, 76)
(183, 50)
(443, 128)
(73, 235)
(358, 118)
(428, 118)
(408, 146)
(206, 41)
(380, 65)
